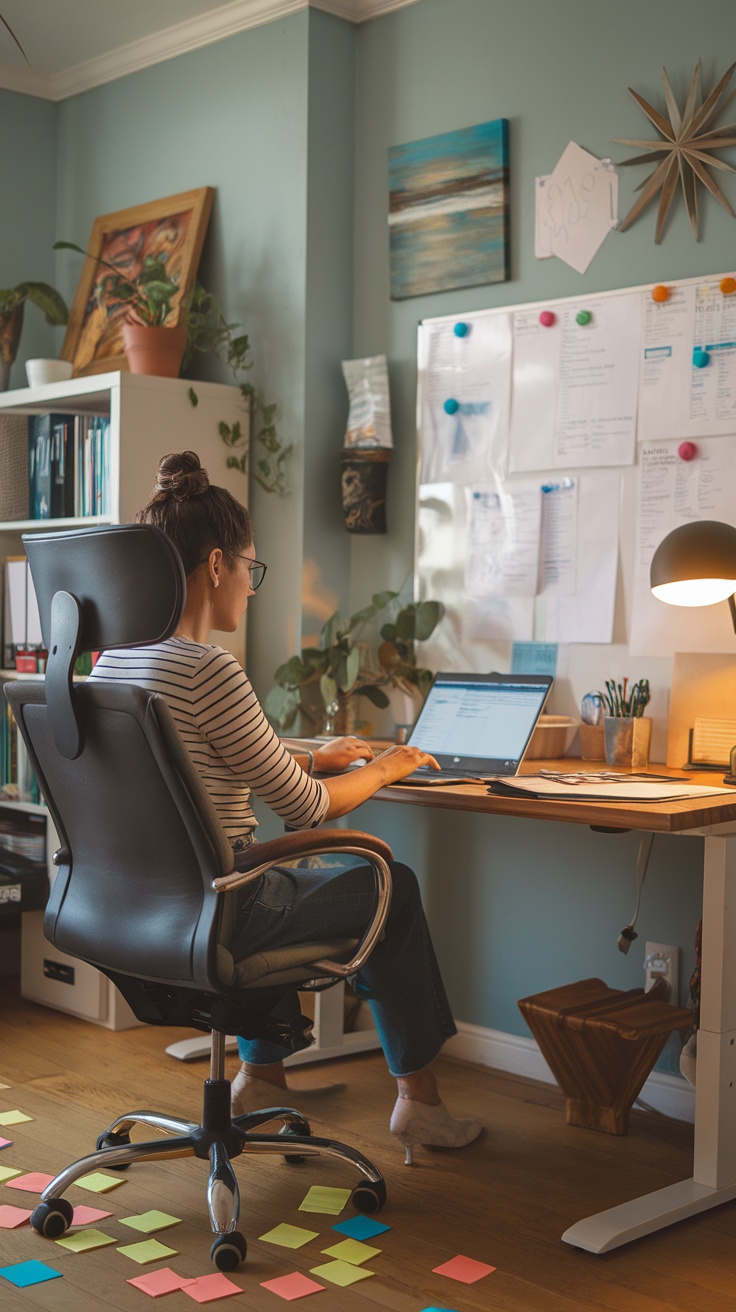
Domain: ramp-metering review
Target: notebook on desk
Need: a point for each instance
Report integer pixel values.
(477, 725)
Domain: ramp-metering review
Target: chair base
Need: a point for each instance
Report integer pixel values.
(219, 1139)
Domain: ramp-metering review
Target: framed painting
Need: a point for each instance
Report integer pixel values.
(449, 211)
(175, 225)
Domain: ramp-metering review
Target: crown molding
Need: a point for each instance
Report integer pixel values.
(237, 16)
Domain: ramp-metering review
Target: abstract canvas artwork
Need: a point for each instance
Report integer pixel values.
(448, 211)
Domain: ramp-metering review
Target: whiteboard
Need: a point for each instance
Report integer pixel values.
(593, 414)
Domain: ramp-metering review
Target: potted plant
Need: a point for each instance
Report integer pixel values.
(322, 682)
(151, 345)
(12, 305)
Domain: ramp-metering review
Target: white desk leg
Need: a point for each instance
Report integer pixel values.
(714, 1170)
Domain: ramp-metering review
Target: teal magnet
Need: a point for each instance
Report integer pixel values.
(461, 329)
(582, 317)
(700, 358)
(451, 406)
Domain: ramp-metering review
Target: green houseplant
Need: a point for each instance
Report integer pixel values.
(321, 682)
(12, 305)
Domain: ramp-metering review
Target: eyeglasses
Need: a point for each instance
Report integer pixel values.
(256, 570)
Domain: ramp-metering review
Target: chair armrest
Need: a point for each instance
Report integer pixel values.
(259, 858)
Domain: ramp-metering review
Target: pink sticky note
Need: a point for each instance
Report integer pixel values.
(88, 1215)
(5, 1143)
(205, 1289)
(155, 1283)
(292, 1286)
(465, 1269)
(10, 1217)
(34, 1182)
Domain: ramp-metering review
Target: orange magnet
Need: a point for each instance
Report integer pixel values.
(728, 286)
(661, 293)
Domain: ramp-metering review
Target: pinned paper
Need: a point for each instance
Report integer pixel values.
(465, 1269)
(98, 1183)
(10, 1217)
(14, 1118)
(150, 1221)
(289, 1236)
(155, 1283)
(8, 1173)
(341, 1273)
(322, 1199)
(34, 1182)
(88, 1215)
(149, 1250)
(84, 1240)
(351, 1250)
(292, 1286)
(24, 1274)
(207, 1288)
(361, 1227)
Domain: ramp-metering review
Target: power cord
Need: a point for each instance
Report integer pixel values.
(628, 933)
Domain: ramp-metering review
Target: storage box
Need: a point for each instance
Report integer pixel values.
(66, 983)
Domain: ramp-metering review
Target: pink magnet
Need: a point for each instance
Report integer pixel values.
(547, 318)
(687, 450)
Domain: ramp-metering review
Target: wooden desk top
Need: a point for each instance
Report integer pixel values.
(658, 817)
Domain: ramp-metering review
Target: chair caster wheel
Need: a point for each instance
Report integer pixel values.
(369, 1196)
(304, 1131)
(108, 1140)
(52, 1219)
(228, 1251)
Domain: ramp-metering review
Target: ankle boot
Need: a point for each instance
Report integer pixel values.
(417, 1123)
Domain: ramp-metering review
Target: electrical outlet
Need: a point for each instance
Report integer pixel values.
(662, 961)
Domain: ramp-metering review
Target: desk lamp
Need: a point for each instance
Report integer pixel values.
(695, 565)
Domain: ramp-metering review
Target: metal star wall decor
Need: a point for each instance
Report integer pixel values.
(685, 147)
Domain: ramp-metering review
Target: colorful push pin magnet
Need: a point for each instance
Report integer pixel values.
(461, 329)
(700, 358)
(660, 294)
(728, 286)
(583, 317)
(451, 406)
(687, 450)
(547, 318)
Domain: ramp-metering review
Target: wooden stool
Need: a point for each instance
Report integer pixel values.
(600, 1045)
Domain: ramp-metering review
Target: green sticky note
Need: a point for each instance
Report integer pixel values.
(150, 1221)
(83, 1240)
(321, 1199)
(341, 1273)
(14, 1118)
(289, 1236)
(149, 1250)
(350, 1250)
(8, 1173)
(98, 1183)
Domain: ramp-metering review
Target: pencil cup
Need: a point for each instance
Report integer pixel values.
(627, 741)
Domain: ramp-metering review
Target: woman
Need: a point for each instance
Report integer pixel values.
(235, 751)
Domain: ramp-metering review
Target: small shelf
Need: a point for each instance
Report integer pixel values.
(38, 808)
(44, 525)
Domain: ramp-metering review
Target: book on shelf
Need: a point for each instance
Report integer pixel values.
(68, 466)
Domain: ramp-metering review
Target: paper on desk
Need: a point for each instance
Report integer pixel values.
(592, 788)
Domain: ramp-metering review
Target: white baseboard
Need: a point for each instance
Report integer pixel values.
(669, 1094)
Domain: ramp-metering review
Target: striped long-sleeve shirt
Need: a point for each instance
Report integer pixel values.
(232, 745)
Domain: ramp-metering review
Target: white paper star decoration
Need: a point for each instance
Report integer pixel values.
(684, 149)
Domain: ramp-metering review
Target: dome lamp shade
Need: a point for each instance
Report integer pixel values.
(695, 565)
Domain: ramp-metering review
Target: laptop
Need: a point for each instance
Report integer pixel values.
(477, 725)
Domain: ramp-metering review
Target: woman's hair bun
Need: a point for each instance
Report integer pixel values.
(181, 475)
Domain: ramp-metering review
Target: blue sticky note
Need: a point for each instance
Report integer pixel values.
(23, 1274)
(534, 658)
(361, 1227)
(437, 1309)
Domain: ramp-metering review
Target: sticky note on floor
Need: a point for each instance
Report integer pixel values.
(88, 1215)
(341, 1273)
(6, 1143)
(205, 1289)
(149, 1250)
(361, 1227)
(98, 1182)
(321, 1199)
(465, 1269)
(10, 1217)
(83, 1240)
(23, 1274)
(289, 1236)
(8, 1173)
(34, 1182)
(295, 1285)
(351, 1250)
(147, 1222)
(14, 1118)
(155, 1283)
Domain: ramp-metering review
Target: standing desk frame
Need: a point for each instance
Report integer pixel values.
(713, 1181)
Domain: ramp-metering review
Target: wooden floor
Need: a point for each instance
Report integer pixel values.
(504, 1201)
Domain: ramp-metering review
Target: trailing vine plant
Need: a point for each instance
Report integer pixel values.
(208, 333)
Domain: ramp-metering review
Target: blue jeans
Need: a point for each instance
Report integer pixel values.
(401, 979)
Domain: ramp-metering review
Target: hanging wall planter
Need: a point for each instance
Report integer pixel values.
(364, 478)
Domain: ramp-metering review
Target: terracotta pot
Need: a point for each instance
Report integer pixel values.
(157, 351)
(364, 477)
(10, 329)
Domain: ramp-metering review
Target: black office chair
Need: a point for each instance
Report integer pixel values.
(145, 874)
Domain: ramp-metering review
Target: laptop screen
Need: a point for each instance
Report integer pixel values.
(480, 723)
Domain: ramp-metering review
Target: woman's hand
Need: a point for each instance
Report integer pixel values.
(349, 790)
(340, 752)
(403, 759)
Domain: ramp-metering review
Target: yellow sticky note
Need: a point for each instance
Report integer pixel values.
(350, 1250)
(8, 1173)
(149, 1250)
(14, 1118)
(341, 1273)
(150, 1221)
(83, 1240)
(322, 1199)
(289, 1236)
(98, 1183)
